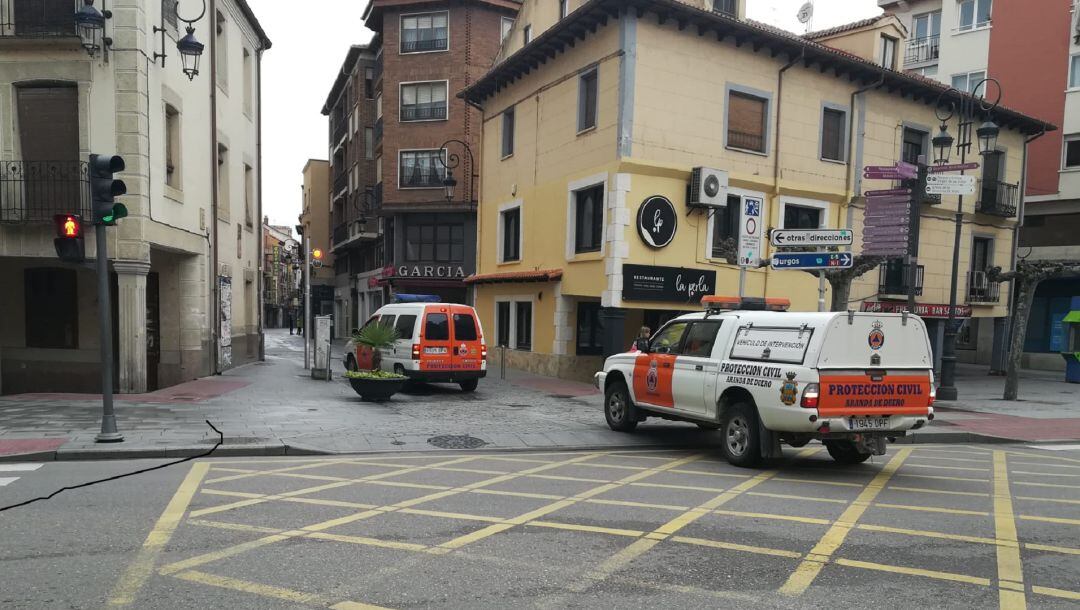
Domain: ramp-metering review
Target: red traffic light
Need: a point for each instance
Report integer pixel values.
(68, 226)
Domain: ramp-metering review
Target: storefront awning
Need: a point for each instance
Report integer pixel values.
(516, 277)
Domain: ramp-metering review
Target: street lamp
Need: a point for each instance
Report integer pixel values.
(90, 25)
(942, 145)
(987, 134)
(190, 49)
(451, 163)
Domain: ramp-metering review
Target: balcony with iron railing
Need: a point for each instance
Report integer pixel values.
(980, 290)
(378, 132)
(339, 129)
(419, 46)
(341, 181)
(38, 18)
(423, 112)
(998, 199)
(922, 50)
(893, 279)
(377, 74)
(35, 191)
(341, 234)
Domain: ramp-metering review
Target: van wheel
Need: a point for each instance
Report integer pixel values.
(742, 443)
(845, 452)
(619, 410)
(707, 426)
(469, 385)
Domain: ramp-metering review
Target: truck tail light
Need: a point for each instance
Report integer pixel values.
(415, 351)
(810, 397)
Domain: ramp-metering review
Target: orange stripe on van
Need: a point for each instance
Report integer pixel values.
(844, 395)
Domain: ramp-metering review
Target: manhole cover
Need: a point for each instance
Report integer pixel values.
(235, 440)
(456, 442)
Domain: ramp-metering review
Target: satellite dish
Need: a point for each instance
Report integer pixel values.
(806, 12)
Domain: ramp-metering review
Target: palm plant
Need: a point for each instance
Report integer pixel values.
(377, 337)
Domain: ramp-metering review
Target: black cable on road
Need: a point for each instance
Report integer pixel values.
(221, 440)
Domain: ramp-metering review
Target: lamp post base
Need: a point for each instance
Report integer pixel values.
(109, 437)
(946, 393)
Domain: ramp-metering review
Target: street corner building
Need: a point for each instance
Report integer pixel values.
(186, 262)
(635, 153)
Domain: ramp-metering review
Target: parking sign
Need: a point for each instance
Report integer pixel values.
(750, 231)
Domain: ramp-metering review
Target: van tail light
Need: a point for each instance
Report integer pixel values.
(483, 353)
(415, 351)
(810, 396)
(933, 395)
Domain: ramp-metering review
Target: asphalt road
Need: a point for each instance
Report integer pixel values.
(924, 527)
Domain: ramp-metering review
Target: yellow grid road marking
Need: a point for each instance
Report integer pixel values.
(1046, 474)
(296, 597)
(795, 497)
(517, 494)
(930, 534)
(866, 565)
(968, 451)
(817, 482)
(259, 473)
(758, 550)
(940, 478)
(955, 459)
(446, 515)
(298, 500)
(1009, 565)
(682, 487)
(933, 509)
(236, 527)
(736, 513)
(630, 504)
(1034, 499)
(711, 474)
(1037, 464)
(587, 528)
(1053, 549)
(926, 490)
(364, 540)
(140, 569)
(936, 467)
(808, 570)
(555, 477)
(1062, 593)
(1052, 485)
(1050, 519)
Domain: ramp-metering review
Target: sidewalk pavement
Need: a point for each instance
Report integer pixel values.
(275, 408)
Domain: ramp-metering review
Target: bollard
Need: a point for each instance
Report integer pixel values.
(502, 362)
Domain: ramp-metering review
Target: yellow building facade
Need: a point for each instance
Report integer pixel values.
(614, 105)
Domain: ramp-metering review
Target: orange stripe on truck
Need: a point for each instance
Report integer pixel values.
(843, 395)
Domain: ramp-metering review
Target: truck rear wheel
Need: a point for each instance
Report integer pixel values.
(619, 410)
(469, 385)
(845, 452)
(742, 443)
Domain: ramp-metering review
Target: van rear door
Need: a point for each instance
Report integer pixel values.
(465, 350)
(875, 364)
(435, 340)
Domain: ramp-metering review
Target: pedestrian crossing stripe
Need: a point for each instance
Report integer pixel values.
(5, 481)
(1056, 447)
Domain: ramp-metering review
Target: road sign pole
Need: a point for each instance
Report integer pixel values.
(821, 291)
(947, 389)
(109, 432)
(917, 196)
(742, 282)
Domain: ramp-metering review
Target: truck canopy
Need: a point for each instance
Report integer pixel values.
(852, 341)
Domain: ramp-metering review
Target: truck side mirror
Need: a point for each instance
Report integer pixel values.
(642, 345)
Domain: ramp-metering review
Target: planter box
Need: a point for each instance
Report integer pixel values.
(377, 390)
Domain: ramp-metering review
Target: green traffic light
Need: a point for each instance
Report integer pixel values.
(119, 211)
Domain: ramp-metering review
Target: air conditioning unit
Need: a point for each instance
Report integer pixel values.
(708, 188)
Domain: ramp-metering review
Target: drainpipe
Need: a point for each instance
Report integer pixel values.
(779, 108)
(1000, 349)
(849, 177)
(259, 206)
(215, 305)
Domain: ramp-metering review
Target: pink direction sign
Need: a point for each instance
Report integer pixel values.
(870, 232)
(887, 193)
(955, 167)
(900, 171)
(893, 199)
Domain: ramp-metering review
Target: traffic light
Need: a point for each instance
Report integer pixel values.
(316, 258)
(69, 238)
(104, 188)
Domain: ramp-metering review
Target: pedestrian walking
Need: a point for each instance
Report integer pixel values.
(292, 322)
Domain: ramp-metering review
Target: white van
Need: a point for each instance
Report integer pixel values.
(850, 379)
(437, 342)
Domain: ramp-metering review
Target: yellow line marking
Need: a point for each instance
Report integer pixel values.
(388, 544)
(1046, 474)
(140, 569)
(1062, 593)
(931, 534)
(445, 515)
(299, 500)
(866, 565)
(941, 478)
(236, 527)
(817, 482)
(936, 467)
(1039, 465)
(933, 509)
(953, 459)
(1043, 455)
(615, 466)
(634, 456)
(409, 485)
(683, 487)
(808, 570)
(926, 490)
(355, 606)
(1009, 564)
(259, 473)
(929, 449)
(1034, 499)
(205, 558)
(635, 504)
(587, 528)
(735, 513)
(517, 459)
(516, 494)
(737, 547)
(711, 474)
(554, 477)
(235, 584)
(1053, 549)
(1050, 519)
(1053, 485)
(794, 497)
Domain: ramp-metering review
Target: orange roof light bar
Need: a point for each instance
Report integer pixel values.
(777, 304)
(726, 303)
(721, 302)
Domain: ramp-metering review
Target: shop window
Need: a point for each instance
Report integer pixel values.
(590, 329)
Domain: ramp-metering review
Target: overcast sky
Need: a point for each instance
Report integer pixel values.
(310, 42)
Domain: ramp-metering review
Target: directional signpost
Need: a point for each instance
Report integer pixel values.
(954, 167)
(812, 260)
(814, 238)
(887, 220)
(946, 184)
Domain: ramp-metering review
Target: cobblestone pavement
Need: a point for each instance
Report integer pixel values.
(926, 527)
(274, 408)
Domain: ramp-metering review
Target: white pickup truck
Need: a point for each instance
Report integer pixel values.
(762, 378)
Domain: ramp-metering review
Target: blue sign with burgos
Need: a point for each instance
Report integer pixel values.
(812, 260)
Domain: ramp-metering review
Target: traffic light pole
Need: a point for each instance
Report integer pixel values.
(109, 432)
(307, 303)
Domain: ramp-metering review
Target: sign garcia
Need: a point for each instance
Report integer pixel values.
(657, 221)
(669, 284)
(430, 271)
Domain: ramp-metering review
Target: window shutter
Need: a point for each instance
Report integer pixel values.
(746, 121)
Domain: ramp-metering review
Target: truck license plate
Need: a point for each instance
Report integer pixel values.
(868, 423)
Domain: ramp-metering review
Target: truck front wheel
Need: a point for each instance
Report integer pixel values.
(845, 452)
(619, 410)
(742, 443)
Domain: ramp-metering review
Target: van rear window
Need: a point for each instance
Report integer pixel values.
(464, 327)
(787, 345)
(405, 326)
(437, 327)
